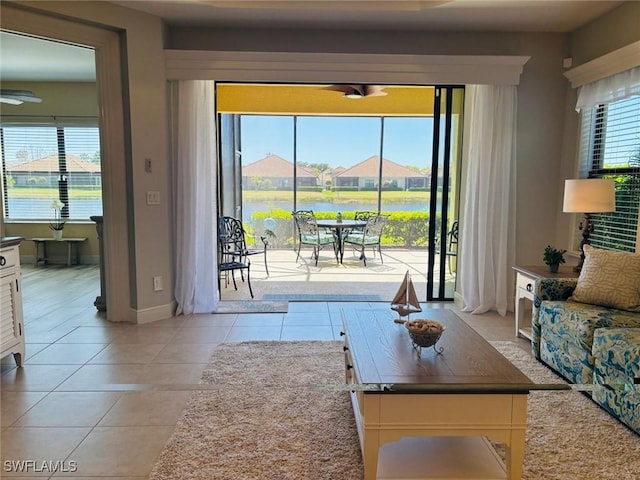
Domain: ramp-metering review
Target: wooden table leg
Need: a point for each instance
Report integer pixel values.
(370, 451)
(44, 253)
(36, 259)
(515, 456)
(516, 446)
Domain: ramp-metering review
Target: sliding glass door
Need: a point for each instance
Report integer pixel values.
(444, 188)
(405, 166)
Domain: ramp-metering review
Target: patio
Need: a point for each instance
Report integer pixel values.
(350, 281)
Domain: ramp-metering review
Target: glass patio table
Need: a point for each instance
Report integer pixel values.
(339, 226)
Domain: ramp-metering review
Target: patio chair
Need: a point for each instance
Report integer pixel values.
(233, 253)
(449, 247)
(369, 237)
(452, 246)
(310, 234)
(363, 215)
(235, 231)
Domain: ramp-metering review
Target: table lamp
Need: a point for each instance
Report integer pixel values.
(588, 195)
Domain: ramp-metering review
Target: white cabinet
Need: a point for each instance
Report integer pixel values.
(11, 324)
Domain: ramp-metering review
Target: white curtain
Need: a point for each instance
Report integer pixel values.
(194, 169)
(609, 89)
(487, 229)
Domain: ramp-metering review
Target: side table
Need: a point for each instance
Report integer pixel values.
(69, 242)
(525, 280)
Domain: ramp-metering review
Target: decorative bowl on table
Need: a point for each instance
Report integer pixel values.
(425, 333)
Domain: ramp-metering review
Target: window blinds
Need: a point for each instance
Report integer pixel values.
(610, 148)
(44, 163)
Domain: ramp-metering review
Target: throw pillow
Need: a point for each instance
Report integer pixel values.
(609, 279)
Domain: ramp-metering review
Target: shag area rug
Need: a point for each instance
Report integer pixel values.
(277, 410)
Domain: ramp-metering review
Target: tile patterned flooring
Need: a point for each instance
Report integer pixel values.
(104, 398)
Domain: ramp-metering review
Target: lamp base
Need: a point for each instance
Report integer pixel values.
(586, 226)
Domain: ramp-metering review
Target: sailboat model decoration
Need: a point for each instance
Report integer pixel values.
(405, 301)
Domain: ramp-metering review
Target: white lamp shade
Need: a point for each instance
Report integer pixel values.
(589, 195)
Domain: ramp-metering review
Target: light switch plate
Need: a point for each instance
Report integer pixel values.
(153, 198)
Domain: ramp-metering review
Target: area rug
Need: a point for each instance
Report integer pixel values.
(277, 410)
(252, 306)
(323, 298)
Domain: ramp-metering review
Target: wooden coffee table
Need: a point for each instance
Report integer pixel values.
(470, 390)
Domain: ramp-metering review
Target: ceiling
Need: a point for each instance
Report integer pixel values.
(496, 15)
(26, 58)
(30, 59)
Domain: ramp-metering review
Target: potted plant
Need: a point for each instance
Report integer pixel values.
(553, 257)
(58, 224)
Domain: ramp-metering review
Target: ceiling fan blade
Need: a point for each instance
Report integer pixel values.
(16, 97)
(358, 91)
(374, 91)
(340, 87)
(10, 101)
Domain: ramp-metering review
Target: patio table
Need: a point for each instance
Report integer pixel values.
(339, 227)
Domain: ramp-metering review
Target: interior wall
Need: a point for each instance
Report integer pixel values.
(145, 106)
(59, 99)
(617, 29)
(296, 99)
(89, 249)
(614, 30)
(541, 97)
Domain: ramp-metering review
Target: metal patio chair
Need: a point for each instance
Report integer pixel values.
(233, 252)
(310, 234)
(369, 237)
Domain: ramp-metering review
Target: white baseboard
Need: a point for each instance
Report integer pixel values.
(161, 312)
(457, 300)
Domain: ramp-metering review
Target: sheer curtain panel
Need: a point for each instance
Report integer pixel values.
(194, 161)
(487, 240)
(610, 89)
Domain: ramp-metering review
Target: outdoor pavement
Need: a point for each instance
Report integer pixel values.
(302, 279)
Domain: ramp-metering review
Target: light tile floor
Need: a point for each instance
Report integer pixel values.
(105, 398)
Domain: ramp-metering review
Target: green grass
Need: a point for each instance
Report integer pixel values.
(253, 195)
(336, 197)
(39, 192)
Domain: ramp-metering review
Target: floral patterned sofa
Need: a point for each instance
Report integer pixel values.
(590, 333)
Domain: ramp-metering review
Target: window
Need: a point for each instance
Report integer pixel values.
(44, 163)
(610, 148)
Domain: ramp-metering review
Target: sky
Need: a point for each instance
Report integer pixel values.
(337, 141)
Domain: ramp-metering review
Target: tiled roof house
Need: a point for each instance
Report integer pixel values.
(274, 172)
(44, 171)
(365, 175)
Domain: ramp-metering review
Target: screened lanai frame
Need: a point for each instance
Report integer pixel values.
(445, 155)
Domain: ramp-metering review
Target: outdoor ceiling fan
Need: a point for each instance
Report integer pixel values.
(18, 97)
(358, 91)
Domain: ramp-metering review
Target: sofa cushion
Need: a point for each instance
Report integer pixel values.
(609, 279)
(617, 357)
(616, 354)
(579, 320)
(566, 335)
